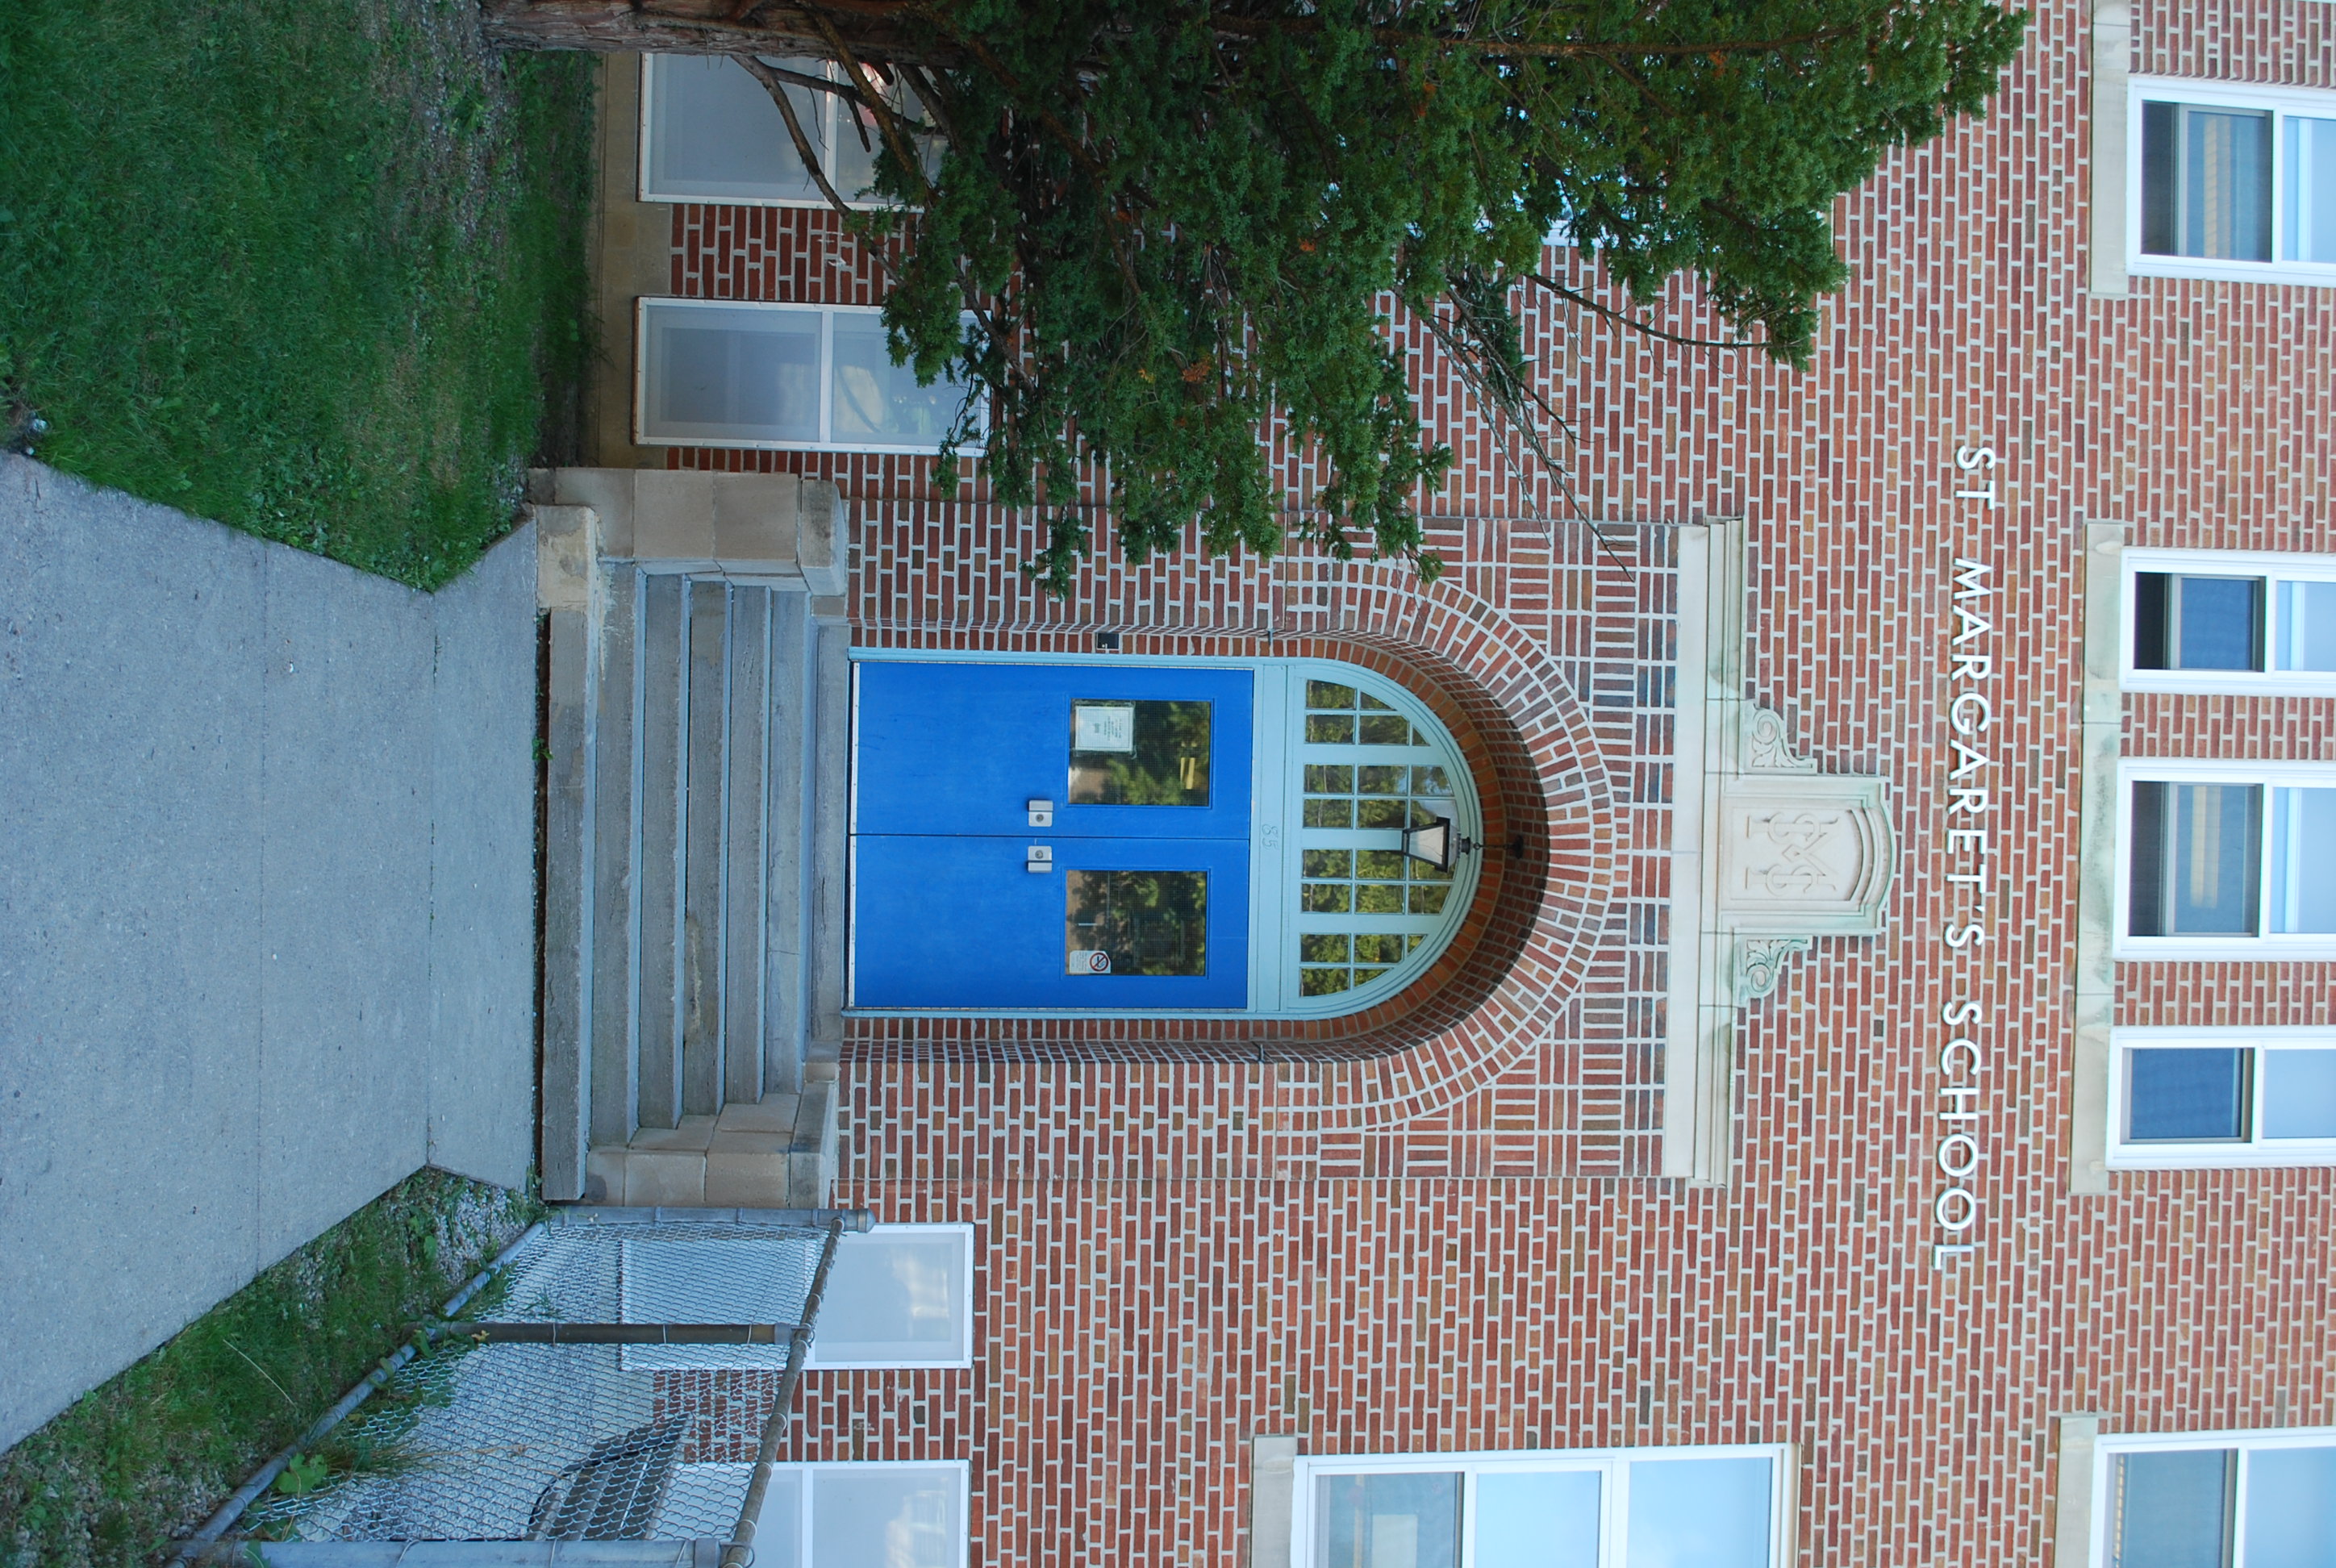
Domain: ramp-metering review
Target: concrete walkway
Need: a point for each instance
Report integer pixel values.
(267, 911)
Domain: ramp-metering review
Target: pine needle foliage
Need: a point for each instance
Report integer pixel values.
(1154, 236)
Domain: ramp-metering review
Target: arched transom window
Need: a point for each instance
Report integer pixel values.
(1361, 914)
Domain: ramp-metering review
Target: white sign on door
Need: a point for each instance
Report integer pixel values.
(1103, 727)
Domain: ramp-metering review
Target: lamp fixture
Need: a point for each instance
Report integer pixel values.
(1436, 844)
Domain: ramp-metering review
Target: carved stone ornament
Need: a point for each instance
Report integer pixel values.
(1770, 851)
(1760, 963)
(1800, 852)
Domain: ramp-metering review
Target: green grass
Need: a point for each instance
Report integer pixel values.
(144, 1458)
(312, 267)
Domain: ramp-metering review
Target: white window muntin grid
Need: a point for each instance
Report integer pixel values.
(2270, 776)
(822, 134)
(1284, 981)
(2108, 1445)
(1613, 1466)
(645, 307)
(2257, 1150)
(2275, 569)
(2212, 94)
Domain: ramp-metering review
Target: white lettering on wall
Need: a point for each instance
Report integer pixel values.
(1958, 1208)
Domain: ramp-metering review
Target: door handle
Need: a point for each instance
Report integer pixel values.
(1039, 858)
(1042, 813)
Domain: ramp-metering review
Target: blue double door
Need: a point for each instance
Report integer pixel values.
(1070, 837)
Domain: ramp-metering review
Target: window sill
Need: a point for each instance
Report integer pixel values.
(2313, 949)
(2230, 683)
(2203, 270)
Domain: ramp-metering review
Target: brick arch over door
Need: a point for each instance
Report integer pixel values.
(1526, 945)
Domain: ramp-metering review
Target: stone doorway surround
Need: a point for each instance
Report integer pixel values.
(1768, 854)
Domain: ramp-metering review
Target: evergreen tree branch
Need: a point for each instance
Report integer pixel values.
(774, 82)
(1623, 319)
(1024, 97)
(901, 147)
(1525, 48)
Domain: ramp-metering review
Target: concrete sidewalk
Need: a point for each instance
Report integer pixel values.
(266, 909)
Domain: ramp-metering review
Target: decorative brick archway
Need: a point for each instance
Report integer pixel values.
(1525, 946)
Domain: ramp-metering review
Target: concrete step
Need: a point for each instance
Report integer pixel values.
(827, 822)
(706, 778)
(563, 1131)
(786, 889)
(613, 1023)
(745, 982)
(663, 665)
(778, 1151)
(698, 730)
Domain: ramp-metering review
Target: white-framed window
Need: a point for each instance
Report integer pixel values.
(866, 1513)
(710, 132)
(2231, 180)
(898, 1296)
(2190, 1097)
(2226, 860)
(1712, 1508)
(2214, 1499)
(2230, 621)
(781, 377)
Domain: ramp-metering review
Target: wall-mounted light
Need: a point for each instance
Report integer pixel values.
(1436, 844)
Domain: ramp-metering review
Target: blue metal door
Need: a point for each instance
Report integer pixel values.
(1056, 836)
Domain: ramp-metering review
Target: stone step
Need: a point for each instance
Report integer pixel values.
(663, 707)
(828, 814)
(564, 596)
(786, 898)
(612, 1027)
(698, 727)
(704, 805)
(778, 1151)
(744, 983)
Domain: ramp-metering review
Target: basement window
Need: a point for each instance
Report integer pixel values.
(899, 1297)
(783, 377)
(874, 1513)
(711, 133)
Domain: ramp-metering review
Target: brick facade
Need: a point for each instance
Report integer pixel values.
(1437, 1228)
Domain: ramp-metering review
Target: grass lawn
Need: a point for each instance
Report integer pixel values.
(312, 267)
(139, 1462)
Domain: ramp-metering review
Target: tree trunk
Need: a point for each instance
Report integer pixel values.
(875, 29)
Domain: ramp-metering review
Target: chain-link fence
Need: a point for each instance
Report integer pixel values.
(578, 1395)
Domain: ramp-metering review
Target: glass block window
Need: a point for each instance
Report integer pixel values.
(1368, 772)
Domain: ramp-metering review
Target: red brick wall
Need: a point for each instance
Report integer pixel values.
(1419, 1253)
